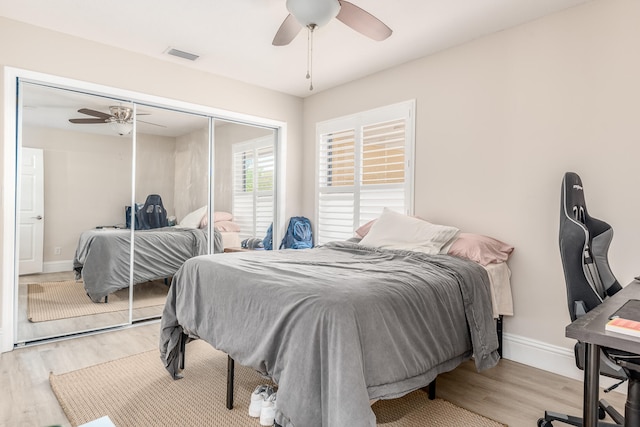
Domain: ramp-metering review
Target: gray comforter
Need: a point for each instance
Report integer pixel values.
(336, 325)
(102, 256)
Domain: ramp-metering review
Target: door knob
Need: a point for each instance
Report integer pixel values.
(37, 217)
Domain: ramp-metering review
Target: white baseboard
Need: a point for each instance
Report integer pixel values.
(57, 266)
(548, 357)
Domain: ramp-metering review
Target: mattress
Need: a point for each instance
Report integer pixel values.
(230, 239)
(501, 297)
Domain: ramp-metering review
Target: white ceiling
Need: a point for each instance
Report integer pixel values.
(233, 37)
(53, 107)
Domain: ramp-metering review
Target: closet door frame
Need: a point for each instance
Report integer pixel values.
(8, 331)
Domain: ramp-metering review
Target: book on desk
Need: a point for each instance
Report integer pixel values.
(626, 320)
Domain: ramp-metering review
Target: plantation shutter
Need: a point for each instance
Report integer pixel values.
(364, 165)
(337, 185)
(264, 196)
(253, 191)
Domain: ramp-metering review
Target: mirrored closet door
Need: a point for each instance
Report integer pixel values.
(113, 195)
(74, 180)
(171, 198)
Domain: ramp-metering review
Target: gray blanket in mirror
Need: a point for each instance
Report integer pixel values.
(102, 256)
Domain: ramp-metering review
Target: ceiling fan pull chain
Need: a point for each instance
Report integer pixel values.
(310, 55)
(308, 52)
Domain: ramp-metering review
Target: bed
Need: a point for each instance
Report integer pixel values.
(102, 256)
(335, 326)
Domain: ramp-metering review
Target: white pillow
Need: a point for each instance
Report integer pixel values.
(396, 231)
(192, 220)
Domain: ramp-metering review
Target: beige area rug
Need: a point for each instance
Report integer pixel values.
(138, 391)
(61, 300)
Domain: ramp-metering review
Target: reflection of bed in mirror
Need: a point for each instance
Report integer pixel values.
(102, 256)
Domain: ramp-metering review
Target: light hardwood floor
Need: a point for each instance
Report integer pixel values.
(511, 393)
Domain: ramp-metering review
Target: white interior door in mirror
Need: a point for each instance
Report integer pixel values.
(31, 242)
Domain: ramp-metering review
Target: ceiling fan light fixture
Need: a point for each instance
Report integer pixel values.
(313, 12)
(121, 119)
(121, 127)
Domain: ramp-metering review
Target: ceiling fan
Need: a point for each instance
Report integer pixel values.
(315, 13)
(121, 118)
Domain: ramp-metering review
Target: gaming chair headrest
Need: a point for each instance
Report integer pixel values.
(573, 203)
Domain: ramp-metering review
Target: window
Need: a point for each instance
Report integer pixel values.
(253, 184)
(364, 164)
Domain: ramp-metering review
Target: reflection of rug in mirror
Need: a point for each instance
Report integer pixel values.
(138, 391)
(62, 300)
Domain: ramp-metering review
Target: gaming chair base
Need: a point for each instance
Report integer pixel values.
(603, 409)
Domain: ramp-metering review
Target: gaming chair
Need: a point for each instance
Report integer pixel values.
(584, 244)
(152, 214)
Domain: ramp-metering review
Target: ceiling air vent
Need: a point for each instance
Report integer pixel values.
(182, 54)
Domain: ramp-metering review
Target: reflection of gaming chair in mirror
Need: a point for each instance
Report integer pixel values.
(152, 214)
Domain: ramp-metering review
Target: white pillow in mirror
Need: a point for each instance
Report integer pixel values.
(192, 220)
(397, 231)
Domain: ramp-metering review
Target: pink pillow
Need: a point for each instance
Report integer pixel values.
(482, 249)
(217, 217)
(364, 229)
(226, 226)
(222, 216)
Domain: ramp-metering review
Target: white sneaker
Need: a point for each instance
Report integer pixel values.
(257, 398)
(268, 412)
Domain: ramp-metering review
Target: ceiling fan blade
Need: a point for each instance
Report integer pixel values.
(362, 21)
(94, 113)
(288, 31)
(87, 121)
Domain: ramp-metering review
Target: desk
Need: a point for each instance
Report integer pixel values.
(590, 330)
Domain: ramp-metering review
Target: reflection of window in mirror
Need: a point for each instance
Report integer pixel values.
(253, 185)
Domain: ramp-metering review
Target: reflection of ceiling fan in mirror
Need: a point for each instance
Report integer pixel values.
(121, 118)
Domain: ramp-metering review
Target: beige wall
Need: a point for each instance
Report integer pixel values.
(499, 121)
(156, 169)
(87, 183)
(192, 172)
(37, 49)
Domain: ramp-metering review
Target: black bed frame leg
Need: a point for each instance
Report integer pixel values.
(106, 299)
(183, 343)
(499, 331)
(431, 389)
(230, 372)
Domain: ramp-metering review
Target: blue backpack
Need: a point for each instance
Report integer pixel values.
(267, 242)
(298, 234)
